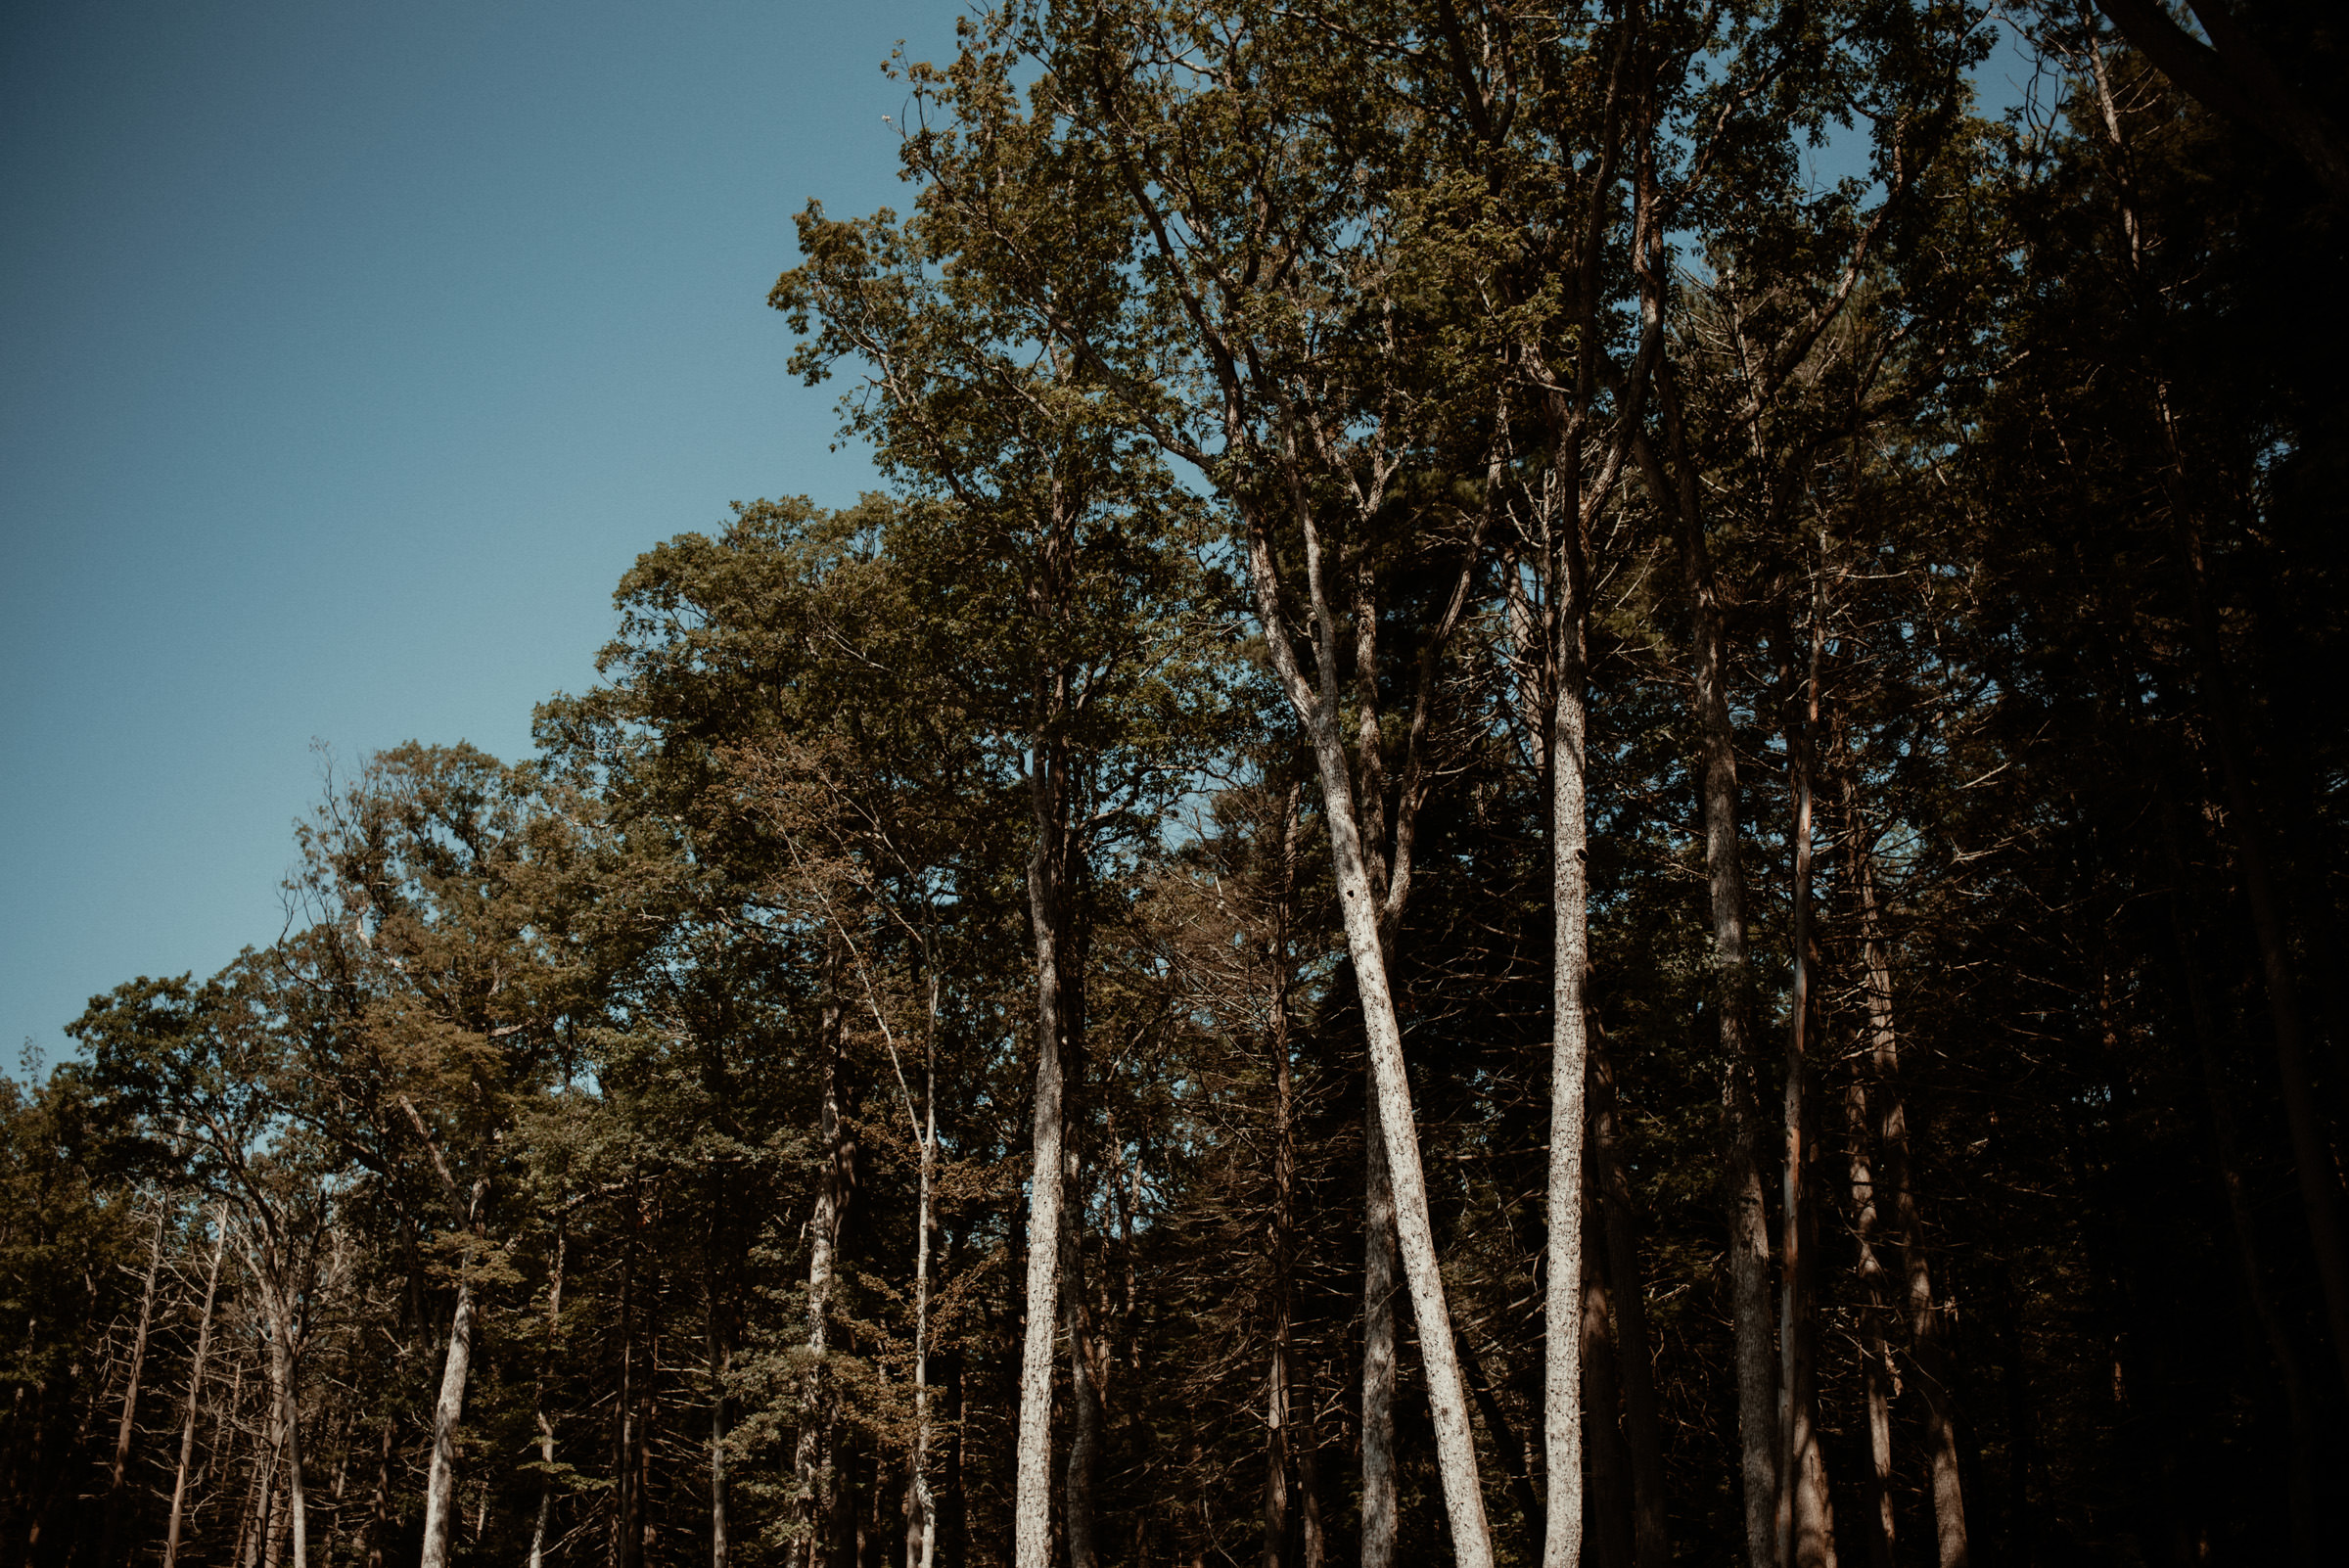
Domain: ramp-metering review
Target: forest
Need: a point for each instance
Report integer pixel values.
(1573, 801)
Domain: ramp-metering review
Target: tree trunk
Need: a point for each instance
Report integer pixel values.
(1876, 1355)
(284, 1371)
(834, 1192)
(1378, 1343)
(545, 1423)
(1805, 1512)
(130, 1392)
(187, 1430)
(1892, 1142)
(1570, 961)
(440, 1475)
(1362, 906)
(1733, 990)
(1032, 1507)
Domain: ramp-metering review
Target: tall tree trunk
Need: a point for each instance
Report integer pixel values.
(1563, 1309)
(1875, 1355)
(1642, 1426)
(1892, 1142)
(543, 1421)
(1378, 1343)
(187, 1430)
(440, 1473)
(131, 1389)
(1805, 1512)
(284, 1371)
(1732, 987)
(1364, 906)
(1032, 1507)
(834, 1192)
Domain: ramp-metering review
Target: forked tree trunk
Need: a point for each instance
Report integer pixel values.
(187, 1430)
(1362, 907)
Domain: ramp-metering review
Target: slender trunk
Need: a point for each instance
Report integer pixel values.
(1281, 1239)
(1570, 961)
(1032, 1507)
(834, 1189)
(440, 1475)
(1876, 1355)
(284, 1371)
(1733, 990)
(720, 1364)
(922, 1548)
(1378, 1344)
(379, 1512)
(1892, 1142)
(1643, 1428)
(1805, 1512)
(545, 1423)
(130, 1391)
(187, 1430)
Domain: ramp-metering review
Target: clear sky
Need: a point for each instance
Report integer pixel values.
(349, 350)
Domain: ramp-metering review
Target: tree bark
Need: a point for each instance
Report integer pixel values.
(1804, 1511)
(187, 1430)
(440, 1474)
(1378, 1343)
(545, 1423)
(834, 1191)
(1032, 1507)
(1892, 1142)
(1563, 1306)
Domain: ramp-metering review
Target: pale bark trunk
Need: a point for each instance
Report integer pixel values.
(1732, 994)
(813, 1453)
(138, 1363)
(1032, 1507)
(720, 1364)
(187, 1430)
(922, 1546)
(545, 1425)
(1570, 959)
(283, 1370)
(1805, 1512)
(1378, 1344)
(1361, 912)
(440, 1474)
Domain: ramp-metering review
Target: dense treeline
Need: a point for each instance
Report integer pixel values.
(1519, 839)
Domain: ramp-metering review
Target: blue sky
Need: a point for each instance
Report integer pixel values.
(348, 354)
